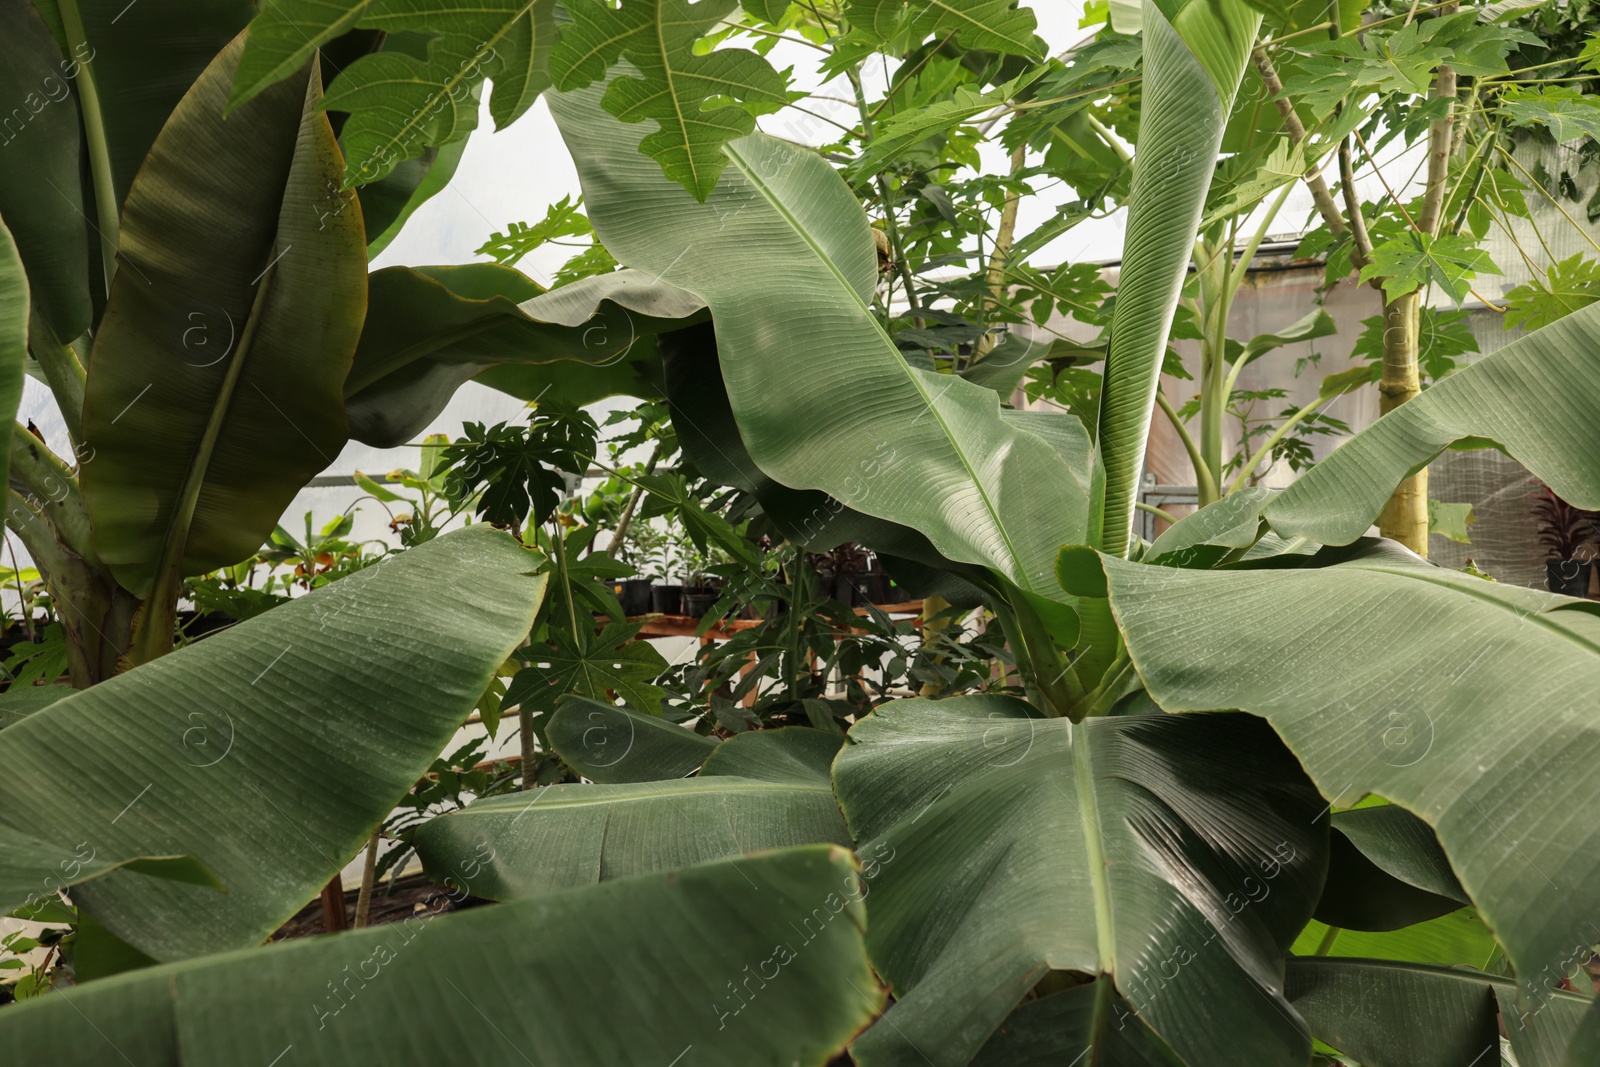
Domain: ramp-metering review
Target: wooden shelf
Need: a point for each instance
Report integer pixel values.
(684, 626)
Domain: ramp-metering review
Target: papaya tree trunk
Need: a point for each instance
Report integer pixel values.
(1405, 517)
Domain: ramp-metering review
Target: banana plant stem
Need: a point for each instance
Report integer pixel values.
(62, 370)
(53, 490)
(106, 203)
(1205, 481)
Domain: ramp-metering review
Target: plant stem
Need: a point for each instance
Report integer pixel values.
(1151, 509)
(626, 518)
(369, 871)
(1205, 481)
(62, 371)
(53, 489)
(1272, 442)
(1005, 235)
(106, 201)
(1360, 240)
(333, 918)
(890, 228)
(1320, 194)
(1440, 142)
(1405, 516)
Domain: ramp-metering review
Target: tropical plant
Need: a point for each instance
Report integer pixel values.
(1260, 721)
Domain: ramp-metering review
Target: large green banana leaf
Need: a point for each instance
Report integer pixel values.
(782, 253)
(143, 58)
(1388, 1014)
(756, 963)
(611, 743)
(18, 702)
(1532, 398)
(40, 201)
(703, 419)
(1176, 855)
(1191, 73)
(760, 790)
(430, 329)
(1386, 871)
(32, 872)
(1085, 1024)
(269, 750)
(1471, 703)
(215, 387)
(1585, 1046)
(1458, 939)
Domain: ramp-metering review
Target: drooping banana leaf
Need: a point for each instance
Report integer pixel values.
(710, 438)
(32, 871)
(1530, 399)
(40, 201)
(610, 743)
(215, 387)
(1457, 939)
(143, 59)
(1191, 72)
(782, 253)
(1334, 655)
(715, 967)
(1386, 871)
(772, 795)
(430, 329)
(1389, 1014)
(270, 750)
(1176, 856)
(1087, 1023)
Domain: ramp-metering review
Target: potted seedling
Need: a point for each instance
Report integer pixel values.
(704, 587)
(1568, 534)
(663, 552)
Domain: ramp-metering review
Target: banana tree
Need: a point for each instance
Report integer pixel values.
(218, 346)
(1116, 869)
(1088, 873)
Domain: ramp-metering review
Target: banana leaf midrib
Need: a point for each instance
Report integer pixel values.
(625, 793)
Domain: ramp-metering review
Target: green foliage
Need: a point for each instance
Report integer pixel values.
(1567, 113)
(699, 102)
(401, 103)
(1571, 284)
(986, 24)
(1412, 260)
(519, 474)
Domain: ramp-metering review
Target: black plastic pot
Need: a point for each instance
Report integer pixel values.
(1570, 577)
(634, 595)
(872, 587)
(666, 599)
(697, 602)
